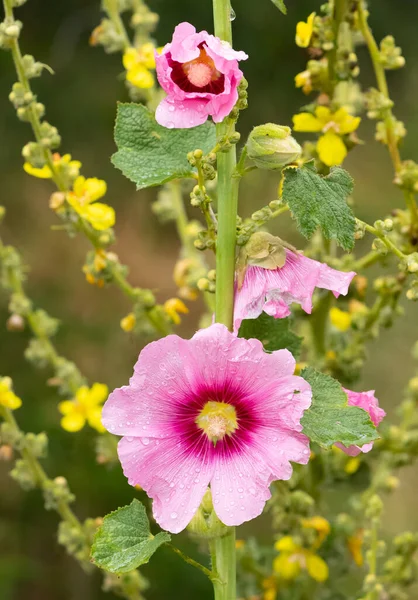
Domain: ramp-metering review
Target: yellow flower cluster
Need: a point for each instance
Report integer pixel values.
(340, 319)
(58, 162)
(139, 64)
(294, 558)
(333, 125)
(84, 195)
(8, 398)
(86, 407)
(83, 199)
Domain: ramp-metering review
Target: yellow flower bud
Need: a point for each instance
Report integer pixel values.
(172, 307)
(128, 322)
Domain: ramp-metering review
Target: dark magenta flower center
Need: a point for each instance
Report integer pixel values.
(198, 75)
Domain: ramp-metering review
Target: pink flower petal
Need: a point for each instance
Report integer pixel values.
(175, 478)
(240, 486)
(368, 402)
(190, 113)
(274, 290)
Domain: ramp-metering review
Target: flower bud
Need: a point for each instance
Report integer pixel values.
(271, 146)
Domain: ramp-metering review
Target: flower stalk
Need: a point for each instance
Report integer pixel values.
(227, 196)
(223, 549)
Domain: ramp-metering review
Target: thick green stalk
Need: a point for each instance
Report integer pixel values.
(223, 549)
(227, 197)
(223, 563)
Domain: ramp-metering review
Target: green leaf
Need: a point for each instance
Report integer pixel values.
(273, 333)
(149, 154)
(280, 5)
(124, 541)
(317, 201)
(330, 419)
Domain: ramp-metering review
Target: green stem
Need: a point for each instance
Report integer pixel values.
(41, 478)
(388, 120)
(223, 549)
(340, 9)
(227, 196)
(223, 564)
(112, 9)
(193, 563)
(387, 241)
(319, 325)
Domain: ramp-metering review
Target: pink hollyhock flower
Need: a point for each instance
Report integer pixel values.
(273, 291)
(214, 410)
(370, 404)
(200, 74)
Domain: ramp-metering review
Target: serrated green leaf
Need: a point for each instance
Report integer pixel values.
(274, 334)
(330, 419)
(124, 541)
(317, 201)
(280, 5)
(149, 154)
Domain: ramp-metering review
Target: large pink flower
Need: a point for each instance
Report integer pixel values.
(200, 74)
(370, 404)
(214, 410)
(273, 291)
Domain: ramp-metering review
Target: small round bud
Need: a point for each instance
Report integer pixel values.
(203, 284)
(15, 323)
(271, 146)
(198, 154)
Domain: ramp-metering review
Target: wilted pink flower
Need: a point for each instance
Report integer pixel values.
(214, 410)
(273, 291)
(370, 404)
(200, 74)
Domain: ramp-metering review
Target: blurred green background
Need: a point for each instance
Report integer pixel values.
(81, 101)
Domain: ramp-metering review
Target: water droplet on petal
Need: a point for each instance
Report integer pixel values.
(129, 439)
(181, 486)
(145, 441)
(171, 108)
(174, 515)
(232, 15)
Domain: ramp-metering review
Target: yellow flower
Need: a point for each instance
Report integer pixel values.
(331, 149)
(85, 407)
(270, 587)
(8, 398)
(239, 544)
(293, 558)
(138, 62)
(304, 31)
(85, 193)
(58, 160)
(352, 465)
(128, 322)
(303, 80)
(355, 545)
(340, 319)
(172, 307)
(321, 526)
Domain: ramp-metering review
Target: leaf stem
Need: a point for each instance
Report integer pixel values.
(194, 563)
(385, 239)
(112, 9)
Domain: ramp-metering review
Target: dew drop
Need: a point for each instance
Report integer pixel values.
(174, 515)
(181, 486)
(129, 439)
(171, 108)
(240, 490)
(171, 484)
(252, 491)
(145, 441)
